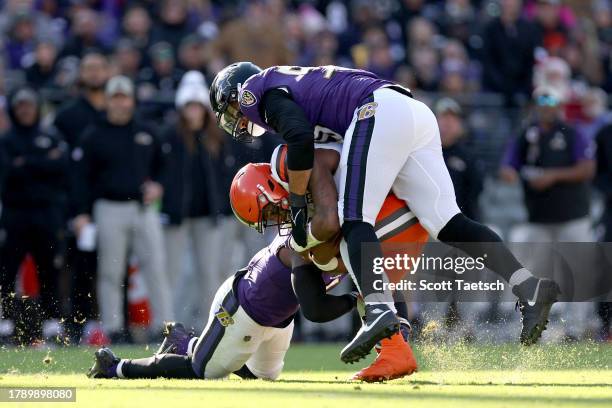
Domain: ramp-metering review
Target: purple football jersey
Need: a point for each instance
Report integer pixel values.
(265, 292)
(328, 95)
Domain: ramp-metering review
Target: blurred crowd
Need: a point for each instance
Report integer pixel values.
(450, 46)
(111, 159)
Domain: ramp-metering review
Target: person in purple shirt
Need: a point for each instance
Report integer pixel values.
(555, 165)
(250, 323)
(390, 142)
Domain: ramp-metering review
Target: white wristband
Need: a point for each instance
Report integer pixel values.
(311, 242)
(329, 266)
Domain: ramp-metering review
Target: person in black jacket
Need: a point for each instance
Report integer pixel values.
(74, 116)
(508, 53)
(120, 167)
(173, 23)
(465, 170)
(71, 119)
(41, 74)
(34, 166)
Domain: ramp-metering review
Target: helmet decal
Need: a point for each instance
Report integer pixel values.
(225, 91)
(247, 98)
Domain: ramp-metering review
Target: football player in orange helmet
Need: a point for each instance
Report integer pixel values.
(257, 200)
(247, 301)
(395, 223)
(258, 300)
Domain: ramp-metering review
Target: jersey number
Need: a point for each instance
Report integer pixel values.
(299, 72)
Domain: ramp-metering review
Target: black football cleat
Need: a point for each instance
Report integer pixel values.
(105, 365)
(534, 311)
(176, 339)
(379, 322)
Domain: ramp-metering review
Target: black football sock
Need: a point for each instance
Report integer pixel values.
(400, 306)
(355, 234)
(163, 365)
(476, 239)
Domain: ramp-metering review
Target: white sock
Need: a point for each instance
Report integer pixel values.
(191, 346)
(120, 368)
(519, 277)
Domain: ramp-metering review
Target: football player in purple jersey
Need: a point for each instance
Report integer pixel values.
(250, 323)
(390, 142)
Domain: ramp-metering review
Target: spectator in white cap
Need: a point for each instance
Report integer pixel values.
(192, 89)
(192, 200)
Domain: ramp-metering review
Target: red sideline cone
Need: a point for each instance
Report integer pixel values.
(139, 311)
(27, 278)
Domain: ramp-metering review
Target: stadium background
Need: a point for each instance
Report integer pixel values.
(438, 49)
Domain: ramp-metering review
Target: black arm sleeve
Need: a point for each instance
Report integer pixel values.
(316, 305)
(288, 119)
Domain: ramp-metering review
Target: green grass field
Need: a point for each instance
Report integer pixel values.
(459, 375)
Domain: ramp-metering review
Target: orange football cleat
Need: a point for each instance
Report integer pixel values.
(395, 360)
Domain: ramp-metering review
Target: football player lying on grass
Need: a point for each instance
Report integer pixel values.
(395, 223)
(250, 323)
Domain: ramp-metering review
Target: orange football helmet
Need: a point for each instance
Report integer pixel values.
(257, 200)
